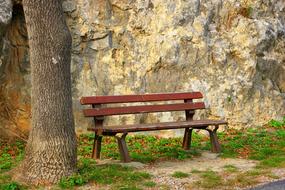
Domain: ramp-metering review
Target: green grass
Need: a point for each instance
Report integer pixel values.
(277, 123)
(255, 172)
(213, 180)
(179, 174)
(114, 175)
(6, 183)
(209, 179)
(142, 148)
(231, 168)
(196, 171)
(10, 155)
(240, 180)
(266, 144)
(11, 186)
(149, 184)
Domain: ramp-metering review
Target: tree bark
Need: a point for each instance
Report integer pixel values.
(51, 148)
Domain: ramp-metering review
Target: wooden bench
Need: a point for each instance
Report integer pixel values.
(99, 111)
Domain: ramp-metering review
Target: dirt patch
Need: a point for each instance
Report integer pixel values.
(163, 171)
(207, 161)
(208, 171)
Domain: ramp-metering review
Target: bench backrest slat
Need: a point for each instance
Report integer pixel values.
(140, 98)
(142, 109)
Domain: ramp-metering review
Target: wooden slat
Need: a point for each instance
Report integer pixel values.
(160, 126)
(142, 109)
(139, 98)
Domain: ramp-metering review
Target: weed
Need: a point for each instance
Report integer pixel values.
(5, 161)
(273, 176)
(272, 161)
(230, 168)
(195, 171)
(255, 143)
(179, 174)
(75, 180)
(263, 143)
(277, 123)
(10, 155)
(11, 186)
(209, 179)
(149, 184)
(117, 176)
(241, 180)
(142, 148)
(255, 172)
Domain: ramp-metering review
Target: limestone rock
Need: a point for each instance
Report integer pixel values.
(232, 51)
(5, 17)
(5, 11)
(68, 6)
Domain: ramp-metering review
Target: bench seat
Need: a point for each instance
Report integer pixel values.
(158, 126)
(187, 102)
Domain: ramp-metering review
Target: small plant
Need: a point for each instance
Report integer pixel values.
(273, 176)
(10, 186)
(76, 180)
(229, 99)
(149, 184)
(230, 168)
(179, 174)
(5, 161)
(263, 143)
(272, 161)
(276, 123)
(118, 177)
(210, 179)
(242, 179)
(195, 171)
(142, 148)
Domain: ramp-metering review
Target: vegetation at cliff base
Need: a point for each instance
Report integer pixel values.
(265, 144)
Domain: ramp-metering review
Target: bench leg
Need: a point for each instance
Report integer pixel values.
(123, 148)
(187, 139)
(215, 145)
(97, 146)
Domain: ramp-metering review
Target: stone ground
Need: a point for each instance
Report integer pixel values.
(162, 171)
(208, 161)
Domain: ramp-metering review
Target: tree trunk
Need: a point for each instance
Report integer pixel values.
(51, 148)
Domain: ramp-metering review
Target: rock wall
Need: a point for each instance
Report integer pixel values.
(15, 78)
(233, 51)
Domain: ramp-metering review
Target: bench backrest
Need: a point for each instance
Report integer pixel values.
(187, 105)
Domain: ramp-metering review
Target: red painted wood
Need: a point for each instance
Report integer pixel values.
(139, 98)
(198, 124)
(142, 109)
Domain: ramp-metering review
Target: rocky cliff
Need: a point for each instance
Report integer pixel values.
(233, 51)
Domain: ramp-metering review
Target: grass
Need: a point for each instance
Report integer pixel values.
(196, 171)
(142, 148)
(265, 144)
(10, 155)
(179, 174)
(277, 123)
(241, 180)
(11, 186)
(209, 179)
(231, 168)
(114, 175)
(149, 184)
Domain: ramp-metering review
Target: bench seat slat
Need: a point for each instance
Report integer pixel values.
(159, 126)
(142, 109)
(139, 98)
